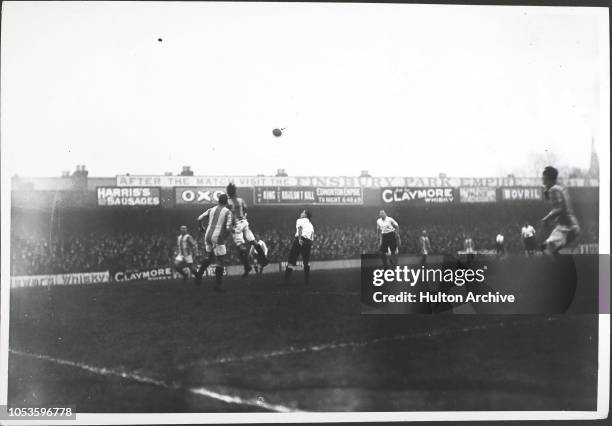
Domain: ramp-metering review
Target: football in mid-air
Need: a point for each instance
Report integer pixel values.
(277, 132)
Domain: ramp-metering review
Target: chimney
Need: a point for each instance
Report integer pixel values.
(186, 171)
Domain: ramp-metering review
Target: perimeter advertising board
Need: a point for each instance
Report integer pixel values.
(477, 195)
(197, 196)
(418, 195)
(522, 194)
(339, 181)
(109, 196)
(308, 195)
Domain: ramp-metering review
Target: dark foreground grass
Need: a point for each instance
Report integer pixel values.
(305, 348)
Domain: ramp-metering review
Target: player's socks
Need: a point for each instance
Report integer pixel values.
(198, 275)
(244, 259)
(218, 278)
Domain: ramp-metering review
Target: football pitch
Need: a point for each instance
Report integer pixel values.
(169, 346)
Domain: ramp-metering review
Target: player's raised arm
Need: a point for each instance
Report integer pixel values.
(202, 218)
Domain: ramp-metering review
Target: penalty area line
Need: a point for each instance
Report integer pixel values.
(103, 371)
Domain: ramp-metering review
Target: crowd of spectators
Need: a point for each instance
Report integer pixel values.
(107, 249)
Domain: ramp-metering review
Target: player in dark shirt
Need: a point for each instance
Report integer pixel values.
(566, 228)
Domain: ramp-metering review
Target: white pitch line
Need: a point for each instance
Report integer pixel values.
(350, 344)
(230, 399)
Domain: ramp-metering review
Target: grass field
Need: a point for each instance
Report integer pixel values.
(169, 346)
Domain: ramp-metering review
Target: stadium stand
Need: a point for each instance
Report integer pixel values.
(70, 241)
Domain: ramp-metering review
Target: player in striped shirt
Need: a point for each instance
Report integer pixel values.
(561, 215)
(186, 250)
(242, 235)
(219, 226)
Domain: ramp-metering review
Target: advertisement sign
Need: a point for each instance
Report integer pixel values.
(338, 181)
(60, 279)
(533, 193)
(165, 273)
(299, 266)
(197, 196)
(477, 195)
(128, 197)
(313, 195)
(418, 195)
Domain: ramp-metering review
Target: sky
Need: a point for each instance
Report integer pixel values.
(398, 90)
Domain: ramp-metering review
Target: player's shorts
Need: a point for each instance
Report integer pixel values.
(184, 258)
(561, 236)
(242, 233)
(530, 243)
(216, 249)
(389, 243)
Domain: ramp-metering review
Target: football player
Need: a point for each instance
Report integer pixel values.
(219, 226)
(302, 243)
(388, 230)
(257, 261)
(241, 234)
(566, 227)
(186, 249)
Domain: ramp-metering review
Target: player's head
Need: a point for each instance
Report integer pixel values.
(306, 214)
(223, 200)
(549, 176)
(424, 233)
(382, 214)
(183, 229)
(526, 224)
(231, 190)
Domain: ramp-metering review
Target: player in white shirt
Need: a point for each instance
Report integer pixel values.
(528, 235)
(499, 244)
(302, 243)
(258, 263)
(425, 247)
(389, 240)
(469, 249)
(186, 250)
